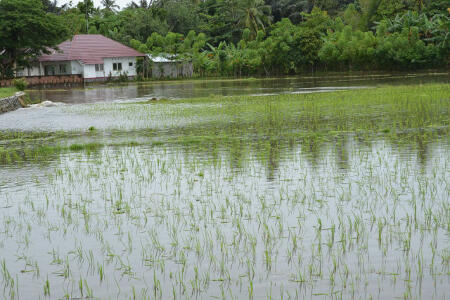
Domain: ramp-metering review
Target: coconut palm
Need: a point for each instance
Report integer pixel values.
(141, 4)
(253, 14)
(110, 5)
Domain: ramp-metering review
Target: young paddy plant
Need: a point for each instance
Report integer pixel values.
(237, 196)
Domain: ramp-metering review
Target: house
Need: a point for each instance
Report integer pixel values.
(91, 56)
(169, 66)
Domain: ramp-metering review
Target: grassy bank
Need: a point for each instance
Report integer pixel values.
(7, 92)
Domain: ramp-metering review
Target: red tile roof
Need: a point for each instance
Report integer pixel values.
(89, 49)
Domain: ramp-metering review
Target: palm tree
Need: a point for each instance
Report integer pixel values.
(142, 4)
(110, 5)
(253, 14)
(52, 6)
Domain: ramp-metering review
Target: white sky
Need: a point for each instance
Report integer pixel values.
(121, 3)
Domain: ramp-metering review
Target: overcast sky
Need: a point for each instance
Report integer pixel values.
(121, 3)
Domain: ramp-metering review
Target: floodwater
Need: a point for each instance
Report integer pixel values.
(206, 88)
(315, 196)
(73, 116)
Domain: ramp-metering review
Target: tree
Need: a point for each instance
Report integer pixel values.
(137, 24)
(288, 9)
(110, 5)
(181, 15)
(74, 21)
(52, 6)
(348, 49)
(352, 17)
(390, 8)
(86, 7)
(369, 10)
(26, 31)
(219, 19)
(254, 14)
(280, 46)
(435, 6)
(141, 4)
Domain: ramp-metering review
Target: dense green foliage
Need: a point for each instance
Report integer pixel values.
(257, 37)
(25, 31)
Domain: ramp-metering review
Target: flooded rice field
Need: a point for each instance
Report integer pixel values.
(333, 195)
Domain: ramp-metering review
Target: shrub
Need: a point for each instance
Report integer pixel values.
(20, 83)
(139, 77)
(123, 77)
(109, 78)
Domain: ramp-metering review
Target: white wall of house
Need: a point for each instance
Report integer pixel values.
(77, 67)
(56, 68)
(89, 71)
(51, 68)
(100, 73)
(125, 61)
(33, 70)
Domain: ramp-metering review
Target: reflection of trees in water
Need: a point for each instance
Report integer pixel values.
(341, 152)
(273, 160)
(237, 154)
(422, 150)
(311, 149)
(315, 149)
(269, 151)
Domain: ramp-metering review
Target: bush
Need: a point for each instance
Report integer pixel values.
(20, 83)
(109, 78)
(123, 77)
(139, 77)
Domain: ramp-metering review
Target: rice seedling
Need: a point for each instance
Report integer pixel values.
(334, 195)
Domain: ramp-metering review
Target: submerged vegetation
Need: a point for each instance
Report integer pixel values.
(337, 194)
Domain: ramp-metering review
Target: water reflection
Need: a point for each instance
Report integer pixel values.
(269, 152)
(342, 154)
(205, 88)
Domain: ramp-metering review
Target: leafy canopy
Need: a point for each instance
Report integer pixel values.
(26, 31)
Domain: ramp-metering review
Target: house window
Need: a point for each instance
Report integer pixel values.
(130, 64)
(62, 69)
(49, 70)
(117, 66)
(98, 67)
